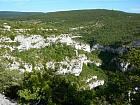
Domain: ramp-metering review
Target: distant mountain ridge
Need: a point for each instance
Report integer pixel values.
(10, 14)
(98, 25)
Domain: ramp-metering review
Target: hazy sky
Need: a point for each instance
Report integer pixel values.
(60, 5)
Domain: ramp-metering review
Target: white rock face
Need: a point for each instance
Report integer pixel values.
(98, 64)
(7, 40)
(67, 66)
(132, 92)
(16, 64)
(35, 41)
(7, 27)
(94, 82)
(50, 65)
(66, 39)
(136, 88)
(76, 28)
(5, 101)
(96, 47)
(21, 30)
(47, 29)
(28, 67)
(124, 66)
(73, 66)
(81, 46)
(52, 39)
(9, 47)
(92, 78)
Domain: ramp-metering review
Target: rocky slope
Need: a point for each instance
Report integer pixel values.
(5, 101)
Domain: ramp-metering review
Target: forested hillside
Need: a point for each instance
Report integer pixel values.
(79, 57)
(13, 14)
(101, 26)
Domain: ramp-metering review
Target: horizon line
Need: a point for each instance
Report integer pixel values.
(69, 10)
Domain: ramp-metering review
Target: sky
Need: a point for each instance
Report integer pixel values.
(132, 6)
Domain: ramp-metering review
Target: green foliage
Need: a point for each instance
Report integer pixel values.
(133, 57)
(116, 89)
(99, 26)
(35, 88)
(56, 52)
(46, 88)
(91, 70)
(9, 78)
(11, 14)
(106, 27)
(107, 58)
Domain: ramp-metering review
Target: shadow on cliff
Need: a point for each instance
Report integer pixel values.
(108, 60)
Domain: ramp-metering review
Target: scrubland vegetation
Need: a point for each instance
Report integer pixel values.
(107, 28)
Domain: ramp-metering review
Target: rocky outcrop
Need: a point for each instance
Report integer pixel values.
(5, 101)
(118, 50)
(6, 27)
(123, 66)
(73, 66)
(94, 82)
(37, 41)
